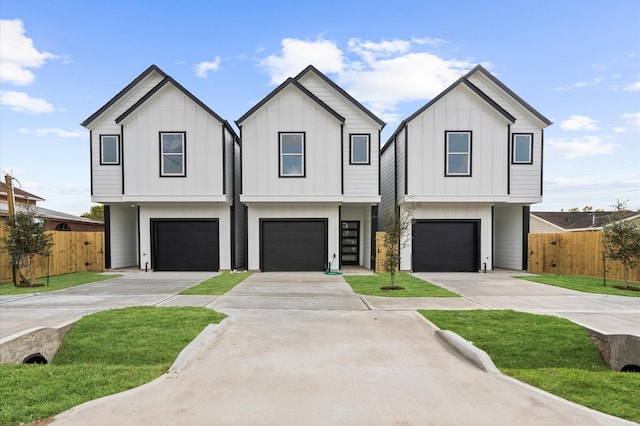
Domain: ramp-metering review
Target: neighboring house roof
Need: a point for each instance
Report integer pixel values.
(580, 221)
(19, 193)
(339, 89)
(120, 94)
(53, 215)
(289, 82)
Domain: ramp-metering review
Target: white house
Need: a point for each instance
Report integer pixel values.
(310, 177)
(467, 165)
(166, 166)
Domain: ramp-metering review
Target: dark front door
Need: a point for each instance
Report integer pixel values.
(185, 245)
(293, 244)
(350, 242)
(445, 246)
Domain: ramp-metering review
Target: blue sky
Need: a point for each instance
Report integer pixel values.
(578, 63)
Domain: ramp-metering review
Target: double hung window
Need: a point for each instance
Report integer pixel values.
(458, 153)
(172, 154)
(292, 154)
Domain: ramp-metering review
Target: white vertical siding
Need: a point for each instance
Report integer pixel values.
(291, 111)
(218, 211)
(401, 159)
(123, 235)
(387, 185)
(170, 110)
(508, 236)
(481, 211)
(462, 110)
(258, 211)
(107, 179)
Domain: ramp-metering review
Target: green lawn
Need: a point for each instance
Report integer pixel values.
(217, 285)
(57, 282)
(550, 353)
(104, 353)
(582, 283)
(413, 287)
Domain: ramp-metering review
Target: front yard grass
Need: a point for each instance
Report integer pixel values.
(217, 285)
(550, 353)
(57, 282)
(582, 283)
(412, 286)
(104, 353)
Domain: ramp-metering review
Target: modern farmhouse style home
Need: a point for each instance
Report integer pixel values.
(165, 166)
(310, 180)
(466, 166)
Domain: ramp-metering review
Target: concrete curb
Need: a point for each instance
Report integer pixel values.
(468, 350)
(42, 340)
(198, 346)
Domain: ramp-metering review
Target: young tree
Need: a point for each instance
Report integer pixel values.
(621, 239)
(397, 224)
(26, 238)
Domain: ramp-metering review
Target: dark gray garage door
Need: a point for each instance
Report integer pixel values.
(446, 246)
(185, 245)
(293, 245)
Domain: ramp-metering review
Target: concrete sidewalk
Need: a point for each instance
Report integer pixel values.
(304, 349)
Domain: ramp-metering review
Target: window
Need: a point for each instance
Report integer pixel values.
(522, 148)
(359, 149)
(292, 159)
(172, 154)
(458, 153)
(109, 149)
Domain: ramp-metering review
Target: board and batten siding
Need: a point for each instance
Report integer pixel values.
(452, 211)
(359, 180)
(291, 111)
(459, 110)
(219, 211)
(508, 234)
(259, 211)
(107, 179)
(170, 110)
(525, 178)
(123, 235)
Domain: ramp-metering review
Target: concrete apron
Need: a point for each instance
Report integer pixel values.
(304, 349)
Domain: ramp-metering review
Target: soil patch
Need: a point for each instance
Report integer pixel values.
(627, 287)
(391, 287)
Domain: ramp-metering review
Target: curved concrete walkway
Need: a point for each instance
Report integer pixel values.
(304, 349)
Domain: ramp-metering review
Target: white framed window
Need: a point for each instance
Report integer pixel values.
(292, 154)
(522, 148)
(458, 153)
(110, 149)
(173, 154)
(359, 149)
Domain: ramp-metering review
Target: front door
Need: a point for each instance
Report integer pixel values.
(350, 243)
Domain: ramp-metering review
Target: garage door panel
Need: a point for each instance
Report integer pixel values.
(186, 245)
(445, 246)
(293, 245)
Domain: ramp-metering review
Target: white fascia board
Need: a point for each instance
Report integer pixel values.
(454, 199)
(176, 198)
(363, 199)
(248, 198)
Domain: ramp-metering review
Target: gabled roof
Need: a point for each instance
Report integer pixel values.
(339, 89)
(532, 110)
(571, 221)
(19, 193)
(120, 94)
(289, 82)
(156, 89)
(461, 81)
(53, 215)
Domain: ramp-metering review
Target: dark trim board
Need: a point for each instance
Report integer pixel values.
(526, 212)
(294, 244)
(446, 245)
(107, 236)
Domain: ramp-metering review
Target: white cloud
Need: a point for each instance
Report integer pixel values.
(633, 87)
(579, 122)
(22, 102)
(633, 118)
(53, 131)
(297, 54)
(17, 54)
(429, 40)
(579, 147)
(378, 74)
(203, 68)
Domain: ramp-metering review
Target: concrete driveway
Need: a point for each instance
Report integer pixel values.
(304, 349)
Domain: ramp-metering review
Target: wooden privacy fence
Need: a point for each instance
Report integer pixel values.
(573, 253)
(381, 251)
(71, 252)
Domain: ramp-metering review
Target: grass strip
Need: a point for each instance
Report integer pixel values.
(412, 286)
(57, 282)
(550, 353)
(104, 353)
(583, 283)
(217, 285)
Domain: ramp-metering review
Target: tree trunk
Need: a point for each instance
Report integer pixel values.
(31, 269)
